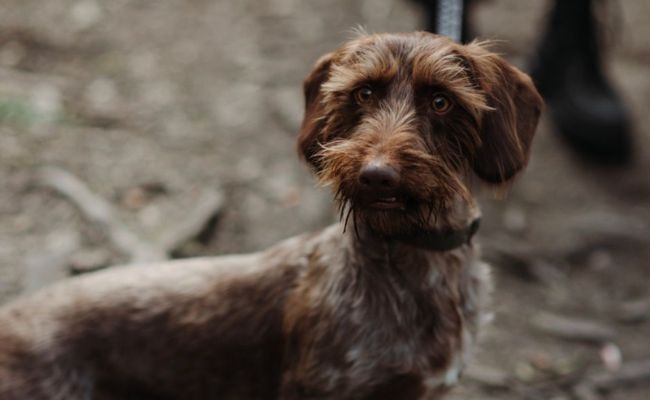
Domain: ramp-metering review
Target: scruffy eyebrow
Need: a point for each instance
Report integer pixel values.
(448, 70)
(439, 65)
(363, 64)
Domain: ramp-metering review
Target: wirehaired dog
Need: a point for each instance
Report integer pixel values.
(385, 305)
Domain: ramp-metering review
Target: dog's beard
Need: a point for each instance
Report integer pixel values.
(412, 215)
(429, 186)
(418, 210)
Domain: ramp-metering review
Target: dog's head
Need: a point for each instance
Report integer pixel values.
(398, 124)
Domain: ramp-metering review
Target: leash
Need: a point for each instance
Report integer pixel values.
(449, 19)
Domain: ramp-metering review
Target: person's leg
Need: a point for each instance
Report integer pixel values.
(568, 72)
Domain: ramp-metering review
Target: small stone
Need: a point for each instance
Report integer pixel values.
(85, 14)
(565, 366)
(135, 198)
(611, 356)
(292, 197)
(541, 361)
(524, 371)
(514, 219)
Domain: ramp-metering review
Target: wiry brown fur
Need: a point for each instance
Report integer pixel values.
(355, 314)
(487, 132)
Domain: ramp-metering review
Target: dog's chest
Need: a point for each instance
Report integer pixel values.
(425, 350)
(381, 334)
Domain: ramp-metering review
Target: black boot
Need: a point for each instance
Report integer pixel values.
(584, 107)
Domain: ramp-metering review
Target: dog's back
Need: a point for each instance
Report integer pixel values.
(202, 328)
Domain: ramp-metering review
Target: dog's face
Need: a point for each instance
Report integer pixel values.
(398, 124)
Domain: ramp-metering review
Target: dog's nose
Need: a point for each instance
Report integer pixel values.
(377, 175)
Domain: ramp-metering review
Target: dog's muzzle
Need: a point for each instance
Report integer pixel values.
(379, 185)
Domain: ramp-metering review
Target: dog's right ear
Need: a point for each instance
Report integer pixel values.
(312, 123)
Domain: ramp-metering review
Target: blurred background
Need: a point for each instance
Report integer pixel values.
(140, 130)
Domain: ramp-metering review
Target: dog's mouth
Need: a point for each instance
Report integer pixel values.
(381, 201)
(387, 203)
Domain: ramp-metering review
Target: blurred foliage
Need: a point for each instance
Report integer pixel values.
(17, 113)
(22, 114)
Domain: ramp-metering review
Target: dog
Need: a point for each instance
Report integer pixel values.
(385, 304)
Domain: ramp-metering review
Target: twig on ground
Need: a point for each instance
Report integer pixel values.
(631, 372)
(634, 311)
(584, 385)
(104, 214)
(488, 376)
(522, 260)
(573, 329)
(585, 392)
(101, 212)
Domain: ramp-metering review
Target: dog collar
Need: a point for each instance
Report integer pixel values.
(441, 240)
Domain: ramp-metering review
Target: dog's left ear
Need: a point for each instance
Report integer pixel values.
(507, 129)
(312, 122)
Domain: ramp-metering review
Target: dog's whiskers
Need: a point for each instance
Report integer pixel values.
(355, 224)
(347, 216)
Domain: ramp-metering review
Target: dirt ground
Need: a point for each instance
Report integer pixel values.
(151, 103)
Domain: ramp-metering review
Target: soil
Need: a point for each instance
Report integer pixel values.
(150, 102)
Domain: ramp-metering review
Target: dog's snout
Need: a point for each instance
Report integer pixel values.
(378, 175)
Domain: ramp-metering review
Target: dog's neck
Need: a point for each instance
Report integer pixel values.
(410, 262)
(442, 234)
(435, 239)
(439, 239)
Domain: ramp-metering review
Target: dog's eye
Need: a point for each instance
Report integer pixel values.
(363, 94)
(441, 103)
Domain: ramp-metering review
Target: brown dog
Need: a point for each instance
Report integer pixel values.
(386, 309)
